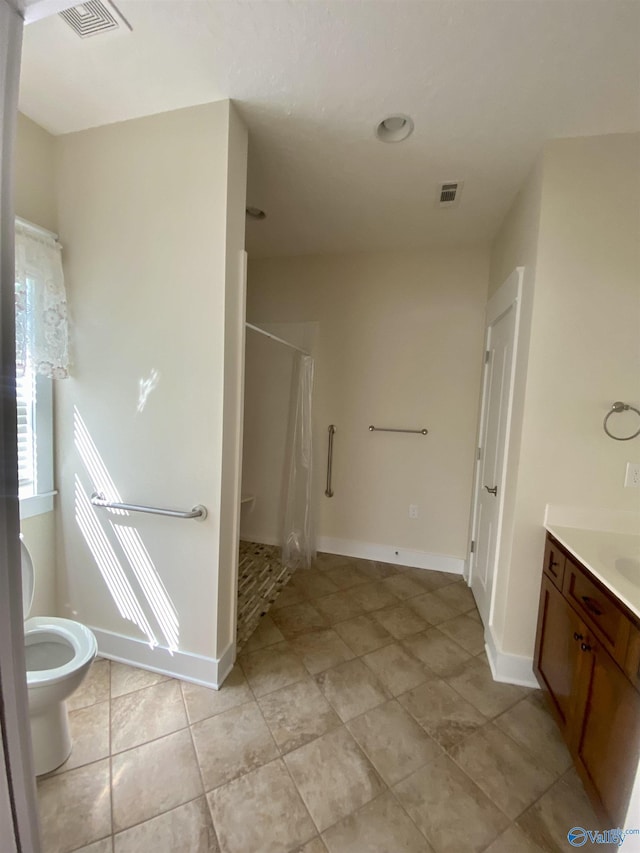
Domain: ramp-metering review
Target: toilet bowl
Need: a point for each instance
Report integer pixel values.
(58, 655)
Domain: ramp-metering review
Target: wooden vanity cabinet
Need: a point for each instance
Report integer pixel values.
(584, 662)
(606, 735)
(632, 660)
(558, 655)
(554, 562)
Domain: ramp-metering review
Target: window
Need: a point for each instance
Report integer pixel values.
(35, 422)
(41, 355)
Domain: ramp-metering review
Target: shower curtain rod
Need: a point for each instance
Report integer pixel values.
(275, 338)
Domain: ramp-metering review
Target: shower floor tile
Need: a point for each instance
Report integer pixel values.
(304, 747)
(261, 579)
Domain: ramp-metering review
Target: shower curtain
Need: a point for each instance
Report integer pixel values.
(298, 535)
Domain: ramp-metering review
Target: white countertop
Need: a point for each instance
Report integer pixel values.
(613, 558)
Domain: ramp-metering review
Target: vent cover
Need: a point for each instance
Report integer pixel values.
(92, 18)
(449, 193)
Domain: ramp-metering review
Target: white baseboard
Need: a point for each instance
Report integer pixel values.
(209, 672)
(512, 669)
(391, 554)
(372, 551)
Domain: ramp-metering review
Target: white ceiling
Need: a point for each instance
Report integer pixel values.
(486, 82)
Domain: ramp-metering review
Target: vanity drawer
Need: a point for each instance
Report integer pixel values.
(554, 562)
(598, 609)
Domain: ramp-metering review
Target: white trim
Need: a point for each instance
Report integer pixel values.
(225, 664)
(391, 554)
(187, 666)
(511, 669)
(508, 296)
(380, 553)
(505, 296)
(36, 505)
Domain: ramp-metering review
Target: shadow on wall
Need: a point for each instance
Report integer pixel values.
(129, 543)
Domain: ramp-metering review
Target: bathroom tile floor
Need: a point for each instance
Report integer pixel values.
(361, 716)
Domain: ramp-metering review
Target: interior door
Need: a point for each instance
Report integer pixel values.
(497, 396)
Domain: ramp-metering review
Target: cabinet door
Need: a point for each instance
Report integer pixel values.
(557, 656)
(607, 731)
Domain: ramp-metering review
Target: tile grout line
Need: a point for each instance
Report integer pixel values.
(113, 842)
(281, 758)
(311, 677)
(302, 800)
(160, 814)
(282, 754)
(527, 753)
(204, 791)
(401, 804)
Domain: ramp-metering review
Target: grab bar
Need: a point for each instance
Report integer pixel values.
(388, 429)
(329, 491)
(198, 511)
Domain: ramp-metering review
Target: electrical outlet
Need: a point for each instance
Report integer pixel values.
(413, 511)
(632, 476)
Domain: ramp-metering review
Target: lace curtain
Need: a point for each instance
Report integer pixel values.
(41, 306)
(298, 545)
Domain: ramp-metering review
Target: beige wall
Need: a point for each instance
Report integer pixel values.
(584, 352)
(151, 213)
(35, 193)
(399, 343)
(35, 201)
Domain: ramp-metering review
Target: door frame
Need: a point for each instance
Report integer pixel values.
(509, 295)
(18, 810)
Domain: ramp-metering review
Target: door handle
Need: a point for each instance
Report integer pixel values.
(493, 491)
(591, 605)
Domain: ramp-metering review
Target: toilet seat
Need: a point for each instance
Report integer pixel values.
(58, 655)
(66, 632)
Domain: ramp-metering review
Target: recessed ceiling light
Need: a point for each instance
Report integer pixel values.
(256, 213)
(394, 128)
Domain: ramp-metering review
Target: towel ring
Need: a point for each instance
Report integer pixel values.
(620, 407)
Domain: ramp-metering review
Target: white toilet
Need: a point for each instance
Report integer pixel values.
(59, 653)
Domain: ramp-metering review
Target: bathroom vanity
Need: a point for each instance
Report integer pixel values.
(587, 658)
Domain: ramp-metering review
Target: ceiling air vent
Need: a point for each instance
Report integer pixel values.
(93, 17)
(449, 194)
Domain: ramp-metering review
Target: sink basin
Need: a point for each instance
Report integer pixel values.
(629, 568)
